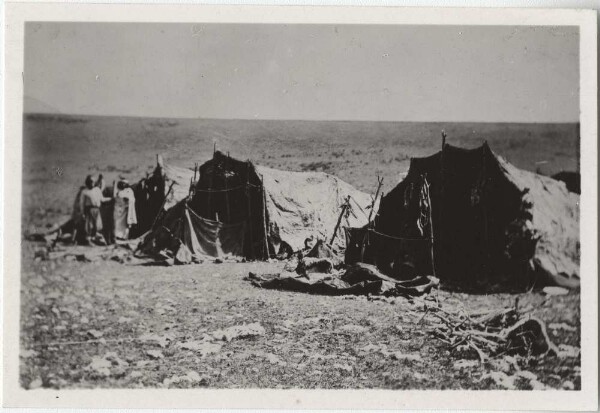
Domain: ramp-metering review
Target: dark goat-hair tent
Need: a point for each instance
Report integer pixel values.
(240, 209)
(493, 224)
(158, 192)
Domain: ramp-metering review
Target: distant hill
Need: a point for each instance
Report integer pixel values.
(33, 105)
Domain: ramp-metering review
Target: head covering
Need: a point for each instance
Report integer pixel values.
(89, 182)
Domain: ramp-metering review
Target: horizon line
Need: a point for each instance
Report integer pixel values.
(296, 120)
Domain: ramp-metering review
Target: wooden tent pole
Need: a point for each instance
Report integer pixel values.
(227, 210)
(345, 206)
(162, 205)
(431, 237)
(210, 187)
(441, 199)
(248, 198)
(369, 225)
(379, 185)
(264, 216)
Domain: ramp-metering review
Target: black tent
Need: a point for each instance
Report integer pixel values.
(488, 222)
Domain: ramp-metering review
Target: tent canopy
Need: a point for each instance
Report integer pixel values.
(490, 223)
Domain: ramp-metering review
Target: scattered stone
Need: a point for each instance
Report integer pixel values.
(162, 341)
(561, 326)
(353, 329)
(501, 379)
(373, 348)
(344, 367)
(537, 385)
(203, 347)
(566, 351)
(465, 364)
(241, 331)
(35, 384)
(100, 366)
(568, 385)
(28, 353)
(190, 377)
(420, 376)
(94, 334)
(555, 291)
(115, 360)
(397, 355)
(527, 375)
(155, 354)
(274, 359)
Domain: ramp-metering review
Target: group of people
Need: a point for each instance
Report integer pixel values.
(101, 215)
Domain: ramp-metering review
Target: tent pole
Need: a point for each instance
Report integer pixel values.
(441, 200)
(345, 206)
(264, 216)
(426, 185)
(362, 248)
(228, 216)
(379, 185)
(162, 205)
(249, 209)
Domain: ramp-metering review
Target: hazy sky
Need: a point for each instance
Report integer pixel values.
(414, 73)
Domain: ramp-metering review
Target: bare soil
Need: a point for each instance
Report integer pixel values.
(74, 312)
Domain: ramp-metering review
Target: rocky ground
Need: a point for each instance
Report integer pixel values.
(89, 321)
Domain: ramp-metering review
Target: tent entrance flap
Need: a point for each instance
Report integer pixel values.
(204, 237)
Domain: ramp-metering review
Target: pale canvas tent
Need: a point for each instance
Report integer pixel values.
(239, 209)
(489, 222)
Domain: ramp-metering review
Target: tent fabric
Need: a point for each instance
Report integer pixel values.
(278, 210)
(191, 238)
(554, 221)
(180, 178)
(360, 279)
(302, 205)
(492, 224)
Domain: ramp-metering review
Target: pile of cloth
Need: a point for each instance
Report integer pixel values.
(322, 273)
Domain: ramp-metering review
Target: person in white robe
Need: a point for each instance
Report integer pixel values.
(124, 211)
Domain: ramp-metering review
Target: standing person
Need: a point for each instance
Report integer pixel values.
(124, 212)
(90, 202)
(77, 218)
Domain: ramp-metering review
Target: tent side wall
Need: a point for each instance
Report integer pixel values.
(305, 205)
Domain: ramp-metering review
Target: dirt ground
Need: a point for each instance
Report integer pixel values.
(109, 324)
